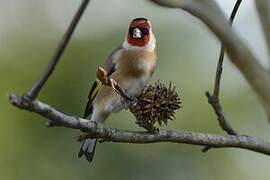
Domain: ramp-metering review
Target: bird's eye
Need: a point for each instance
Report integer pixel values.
(145, 31)
(130, 30)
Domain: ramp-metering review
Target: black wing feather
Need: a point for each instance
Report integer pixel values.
(109, 66)
(93, 92)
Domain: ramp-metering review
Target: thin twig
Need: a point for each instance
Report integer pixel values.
(239, 54)
(214, 100)
(222, 53)
(33, 93)
(102, 75)
(98, 130)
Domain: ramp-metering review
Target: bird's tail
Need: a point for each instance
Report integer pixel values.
(88, 149)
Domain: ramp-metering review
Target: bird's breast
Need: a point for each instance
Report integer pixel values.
(135, 64)
(134, 69)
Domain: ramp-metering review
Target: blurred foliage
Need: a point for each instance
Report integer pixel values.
(187, 57)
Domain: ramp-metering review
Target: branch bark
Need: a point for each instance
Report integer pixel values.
(263, 9)
(214, 99)
(240, 55)
(98, 130)
(33, 93)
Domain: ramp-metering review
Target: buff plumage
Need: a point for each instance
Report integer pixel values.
(131, 65)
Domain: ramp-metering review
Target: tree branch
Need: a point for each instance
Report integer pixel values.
(33, 93)
(223, 123)
(222, 53)
(98, 130)
(263, 9)
(240, 55)
(214, 99)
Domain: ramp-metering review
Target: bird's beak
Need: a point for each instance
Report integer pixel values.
(137, 33)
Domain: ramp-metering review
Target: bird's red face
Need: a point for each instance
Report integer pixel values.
(139, 32)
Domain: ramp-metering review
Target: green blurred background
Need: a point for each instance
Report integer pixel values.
(187, 55)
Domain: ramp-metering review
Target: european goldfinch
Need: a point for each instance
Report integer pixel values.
(131, 66)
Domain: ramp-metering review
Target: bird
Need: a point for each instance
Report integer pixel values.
(131, 65)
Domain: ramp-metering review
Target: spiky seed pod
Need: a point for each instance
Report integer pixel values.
(155, 104)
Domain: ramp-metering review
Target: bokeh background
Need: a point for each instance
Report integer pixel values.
(187, 55)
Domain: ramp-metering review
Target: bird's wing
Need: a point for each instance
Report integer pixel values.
(109, 67)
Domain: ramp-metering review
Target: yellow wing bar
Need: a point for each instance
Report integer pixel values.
(95, 89)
